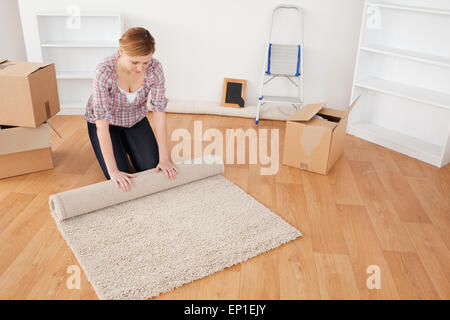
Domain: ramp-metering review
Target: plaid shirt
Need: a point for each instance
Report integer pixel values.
(108, 103)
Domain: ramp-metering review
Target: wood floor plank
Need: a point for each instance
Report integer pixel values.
(342, 184)
(433, 254)
(436, 205)
(356, 150)
(21, 230)
(291, 206)
(262, 188)
(298, 276)
(52, 283)
(382, 160)
(410, 276)
(364, 251)
(328, 237)
(389, 228)
(260, 278)
(336, 277)
(8, 185)
(66, 126)
(403, 199)
(12, 205)
(78, 162)
(18, 279)
(409, 167)
(325, 227)
(288, 174)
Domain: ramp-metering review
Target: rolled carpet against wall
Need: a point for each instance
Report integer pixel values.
(269, 112)
(164, 233)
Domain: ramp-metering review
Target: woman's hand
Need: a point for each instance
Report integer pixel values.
(168, 168)
(122, 179)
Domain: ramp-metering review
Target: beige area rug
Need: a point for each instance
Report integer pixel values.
(178, 232)
(268, 111)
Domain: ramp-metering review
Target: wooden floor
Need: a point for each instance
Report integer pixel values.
(376, 207)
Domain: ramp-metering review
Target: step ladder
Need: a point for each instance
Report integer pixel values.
(283, 60)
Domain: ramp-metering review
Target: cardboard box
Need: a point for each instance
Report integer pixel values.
(28, 93)
(315, 144)
(24, 150)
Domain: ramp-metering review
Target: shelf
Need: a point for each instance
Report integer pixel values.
(405, 59)
(397, 141)
(74, 75)
(408, 8)
(82, 14)
(430, 97)
(407, 54)
(81, 44)
(77, 52)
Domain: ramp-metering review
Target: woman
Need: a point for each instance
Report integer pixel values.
(116, 112)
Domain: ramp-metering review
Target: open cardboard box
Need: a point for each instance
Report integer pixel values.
(315, 144)
(24, 150)
(28, 93)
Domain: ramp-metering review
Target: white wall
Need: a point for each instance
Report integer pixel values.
(200, 42)
(11, 39)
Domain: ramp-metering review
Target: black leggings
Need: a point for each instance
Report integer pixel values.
(138, 142)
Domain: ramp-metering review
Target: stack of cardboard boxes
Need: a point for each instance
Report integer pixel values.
(28, 97)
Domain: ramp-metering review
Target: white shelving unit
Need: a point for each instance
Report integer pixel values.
(80, 44)
(76, 47)
(402, 74)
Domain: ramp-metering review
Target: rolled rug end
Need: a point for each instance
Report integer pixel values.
(56, 208)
